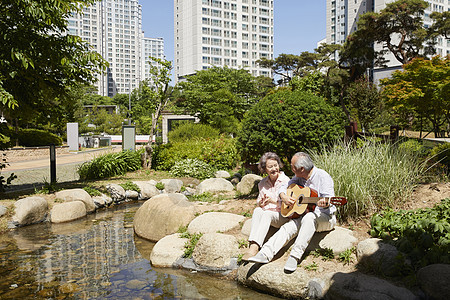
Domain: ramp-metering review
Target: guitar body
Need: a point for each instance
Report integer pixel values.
(306, 199)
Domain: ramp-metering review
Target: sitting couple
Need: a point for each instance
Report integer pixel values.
(272, 192)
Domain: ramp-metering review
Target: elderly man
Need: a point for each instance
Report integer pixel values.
(322, 218)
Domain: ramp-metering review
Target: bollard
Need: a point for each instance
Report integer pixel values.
(52, 164)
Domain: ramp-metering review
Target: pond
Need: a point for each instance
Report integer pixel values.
(98, 257)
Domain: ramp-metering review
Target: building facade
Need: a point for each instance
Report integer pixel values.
(343, 15)
(114, 29)
(153, 47)
(233, 33)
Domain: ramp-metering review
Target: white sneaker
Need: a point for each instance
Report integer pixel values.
(259, 258)
(291, 264)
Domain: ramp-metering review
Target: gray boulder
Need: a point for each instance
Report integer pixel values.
(167, 250)
(356, 286)
(216, 251)
(68, 211)
(172, 185)
(29, 211)
(102, 201)
(3, 210)
(212, 222)
(339, 239)
(116, 192)
(163, 215)
(131, 195)
(248, 184)
(214, 185)
(148, 189)
(378, 256)
(222, 174)
(434, 281)
(77, 195)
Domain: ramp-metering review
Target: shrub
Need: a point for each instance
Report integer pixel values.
(412, 145)
(441, 155)
(371, 177)
(422, 234)
(286, 122)
(29, 138)
(130, 186)
(110, 164)
(189, 131)
(220, 153)
(192, 168)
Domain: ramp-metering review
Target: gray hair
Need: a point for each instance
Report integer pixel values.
(303, 161)
(265, 157)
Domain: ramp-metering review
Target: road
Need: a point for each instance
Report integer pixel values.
(35, 172)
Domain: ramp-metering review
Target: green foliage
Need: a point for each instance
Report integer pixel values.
(189, 131)
(160, 186)
(286, 122)
(5, 182)
(326, 254)
(386, 175)
(189, 246)
(39, 64)
(243, 243)
(422, 234)
(109, 165)
(130, 186)
(312, 267)
(104, 122)
(92, 191)
(192, 167)
(413, 146)
(36, 137)
(313, 83)
(218, 153)
(441, 155)
(346, 256)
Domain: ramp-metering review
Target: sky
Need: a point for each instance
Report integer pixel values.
(298, 24)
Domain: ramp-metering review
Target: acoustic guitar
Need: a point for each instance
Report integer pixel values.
(306, 199)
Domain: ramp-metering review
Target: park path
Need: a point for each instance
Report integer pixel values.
(33, 173)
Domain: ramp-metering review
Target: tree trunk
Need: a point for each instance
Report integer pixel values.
(146, 157)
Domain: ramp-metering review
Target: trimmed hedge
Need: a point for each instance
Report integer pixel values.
(220, 153)
(29, 138)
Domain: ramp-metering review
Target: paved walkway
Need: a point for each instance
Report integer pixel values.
(34, 173)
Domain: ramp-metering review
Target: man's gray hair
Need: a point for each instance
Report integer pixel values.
(303, 161)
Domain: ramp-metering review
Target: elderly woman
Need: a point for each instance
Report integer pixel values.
(268, 211)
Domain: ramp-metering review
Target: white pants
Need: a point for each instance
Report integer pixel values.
(261, 221)
(305, 226)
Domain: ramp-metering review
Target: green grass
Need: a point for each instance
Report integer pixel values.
(371, 176)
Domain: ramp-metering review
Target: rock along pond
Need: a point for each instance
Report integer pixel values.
(98, 257)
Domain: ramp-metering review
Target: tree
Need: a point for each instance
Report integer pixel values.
(39, 61)
(421, 90)
(441, 24)
(219, 96)
(286, 122)
(398, 27)
(159, 93)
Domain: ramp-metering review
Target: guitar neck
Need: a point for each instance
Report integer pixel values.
(313, 200)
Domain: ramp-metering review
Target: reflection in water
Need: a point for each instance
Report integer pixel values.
(97, 257)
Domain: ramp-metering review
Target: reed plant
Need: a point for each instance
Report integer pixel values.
(372, 175)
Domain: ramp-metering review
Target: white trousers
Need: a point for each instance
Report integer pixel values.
(261, 222)
(305, 226)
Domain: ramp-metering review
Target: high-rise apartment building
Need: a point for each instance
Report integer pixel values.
(114, 30)
(153, 47)
(233, 33)
(343, 15)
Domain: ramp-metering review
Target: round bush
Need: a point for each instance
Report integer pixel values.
(192, 168)
(287, 122)
(189, 131)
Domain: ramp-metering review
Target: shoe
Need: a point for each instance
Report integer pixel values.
(259, 258)
(291, 264)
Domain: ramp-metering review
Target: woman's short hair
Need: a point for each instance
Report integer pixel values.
(303, 161)
(265, 157)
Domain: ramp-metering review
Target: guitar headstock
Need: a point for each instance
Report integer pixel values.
(338, 200)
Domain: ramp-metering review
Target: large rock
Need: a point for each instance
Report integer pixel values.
(68, 211)
(116, 192)
(378, 256)
(167, 250)
(148, 189)
(356, 286)
(270, 278)
(102, 200)
(30, 210)
(222, 174)
(172, 185)
(214, 185)
(216, 250)
(434, 281)
(215, 222)
(163, 215)
(3, 210)
(339, 239)
(77, 195)
(248, 184)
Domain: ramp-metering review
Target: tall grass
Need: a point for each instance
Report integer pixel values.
(372, 176)
(110, 164)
